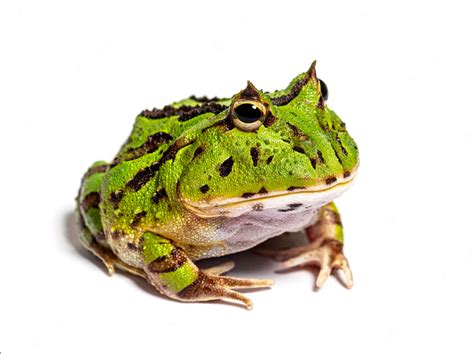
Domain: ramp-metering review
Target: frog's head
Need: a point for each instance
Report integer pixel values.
(283, 151)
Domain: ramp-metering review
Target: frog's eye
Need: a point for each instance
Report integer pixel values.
(324, 90)
(248, 115)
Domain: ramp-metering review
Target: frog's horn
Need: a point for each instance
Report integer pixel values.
(250, 92)
(311, 73)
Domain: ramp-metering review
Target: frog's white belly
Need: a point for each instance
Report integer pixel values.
(249, 230)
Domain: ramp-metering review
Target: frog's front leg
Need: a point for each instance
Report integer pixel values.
(324, 250)
(172, 272)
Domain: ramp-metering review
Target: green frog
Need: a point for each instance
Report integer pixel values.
(207, 177)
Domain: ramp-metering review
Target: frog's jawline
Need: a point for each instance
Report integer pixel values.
(312, 196)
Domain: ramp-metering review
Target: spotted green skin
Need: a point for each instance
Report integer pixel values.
(306, 145)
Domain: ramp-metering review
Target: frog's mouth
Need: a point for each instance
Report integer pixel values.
(284, 201)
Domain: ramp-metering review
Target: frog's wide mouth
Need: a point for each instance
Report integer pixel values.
(281, 200)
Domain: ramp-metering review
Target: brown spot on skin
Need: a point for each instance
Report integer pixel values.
(262, 191)
(291, 207)
(132, 247)
(168, 263)
(270, 158)
(295, 90)
(299, 149)
(297, 133)
(254, 155)
(204, 188)
(313, 162)
(225, 123)
(331, 180)
(203, 99)
(226, 167)
(343, 149)
(90, 201)
(184, 112)
(295, 205)
(116, 234)
(152, 144)
(293, 188)
(137, 218)
(96, 169)
(320, 156)
(347, 174)
(143, 176)
(257, 207)
(158, 195)
(269, 120)
(198, 152)
(248, 195)
(100, 236)
(115, 198)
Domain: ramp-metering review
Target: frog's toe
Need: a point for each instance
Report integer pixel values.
(327, 256)
(210, 286)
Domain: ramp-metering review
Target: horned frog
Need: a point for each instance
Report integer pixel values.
(206, 177)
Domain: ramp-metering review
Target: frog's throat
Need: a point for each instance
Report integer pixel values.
(310, 197)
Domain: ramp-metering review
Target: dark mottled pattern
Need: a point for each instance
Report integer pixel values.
(263, 190)
(137, 218)
(132, 247)
(184, 112)
(331, 180)
(90, 201)
(226, 167)
(158, 195)
(152, 144)
(198, 152)
(347, 174)
(295, 90)
(291, 207)
(115, 198)
(298, 149)
(257, 207)
(226, 124)
(248, 195)
(203, 99)
(321, 158)
(168, 263)
(96, 169)
(254, 155)
(270, 158)
(204, 188)
(269, 120)
(293, 188)
(344, 151)
(143, 176)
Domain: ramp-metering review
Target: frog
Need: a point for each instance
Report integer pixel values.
(208, 177)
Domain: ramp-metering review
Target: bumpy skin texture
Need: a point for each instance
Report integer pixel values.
(158, 205)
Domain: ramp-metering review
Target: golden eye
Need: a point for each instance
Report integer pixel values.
(248, 115)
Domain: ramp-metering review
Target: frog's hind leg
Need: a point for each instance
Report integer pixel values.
(91, 232)
(324, 250)
(173, 273)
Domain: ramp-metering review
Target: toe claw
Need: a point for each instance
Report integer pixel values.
(322, 276)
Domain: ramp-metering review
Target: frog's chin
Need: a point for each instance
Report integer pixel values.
(286, 201)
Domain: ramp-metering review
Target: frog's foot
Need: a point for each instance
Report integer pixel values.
(210, 285)
(327, 255)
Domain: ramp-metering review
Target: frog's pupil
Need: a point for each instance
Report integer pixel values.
(324, 90)
(248, 113)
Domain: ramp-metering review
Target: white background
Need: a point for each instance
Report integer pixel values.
(73, 75)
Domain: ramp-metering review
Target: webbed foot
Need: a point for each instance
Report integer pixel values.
(327, 255)
(210, 285)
